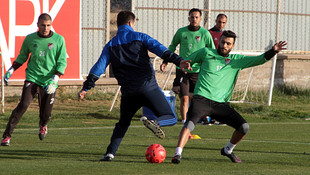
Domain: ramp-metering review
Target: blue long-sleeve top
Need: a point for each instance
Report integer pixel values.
(128, 54)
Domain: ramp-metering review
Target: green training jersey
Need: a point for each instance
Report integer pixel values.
(218, 75)
(48, 55)
(191, 41)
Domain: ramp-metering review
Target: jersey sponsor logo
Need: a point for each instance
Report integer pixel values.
(50, 46)
(215, 39)
(197, 38)
(227, 61)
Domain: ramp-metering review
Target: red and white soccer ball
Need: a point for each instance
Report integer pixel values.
(155, 153)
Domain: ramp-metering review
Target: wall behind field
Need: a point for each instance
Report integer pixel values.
(255, 23)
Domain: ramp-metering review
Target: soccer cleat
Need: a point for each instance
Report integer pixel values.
(42, 132)
(154, 127)
(107, 157)
(176, 159)
(232, 156)
(6, 141)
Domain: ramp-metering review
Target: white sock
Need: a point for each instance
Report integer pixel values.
(229, 148)
(183, 121)
(178, 151)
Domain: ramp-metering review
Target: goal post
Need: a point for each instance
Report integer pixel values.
(2, 83)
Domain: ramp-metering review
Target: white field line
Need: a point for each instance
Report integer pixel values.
(142, 126)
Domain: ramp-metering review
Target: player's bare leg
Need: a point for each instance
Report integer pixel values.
(185, 102)
(236, 137)
(183, 138)
(184, 106)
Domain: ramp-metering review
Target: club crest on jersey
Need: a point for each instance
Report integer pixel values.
(197, 38)
(227, 61)
(50, 45)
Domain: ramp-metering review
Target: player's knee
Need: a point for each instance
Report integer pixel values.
(189, 125)
(244, 128)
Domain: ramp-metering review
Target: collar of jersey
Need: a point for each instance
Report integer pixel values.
(124, 28)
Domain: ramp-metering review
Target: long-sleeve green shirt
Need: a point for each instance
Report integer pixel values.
(218, 75)
(48, 56)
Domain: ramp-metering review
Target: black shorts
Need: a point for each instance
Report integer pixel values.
(188, 84)
(178, 77)
(222, 112)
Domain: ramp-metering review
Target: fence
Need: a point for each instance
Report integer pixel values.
(95, 31)
(258, 24)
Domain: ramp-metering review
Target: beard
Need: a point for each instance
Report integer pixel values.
(223, 52)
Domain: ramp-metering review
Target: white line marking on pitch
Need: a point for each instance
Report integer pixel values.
(142, 126)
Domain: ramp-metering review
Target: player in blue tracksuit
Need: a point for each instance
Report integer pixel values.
(128, 54)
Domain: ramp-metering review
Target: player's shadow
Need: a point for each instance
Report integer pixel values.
(251, 151)
(38, 154)
(101, 116)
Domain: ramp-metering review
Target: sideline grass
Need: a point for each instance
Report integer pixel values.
(80, 132)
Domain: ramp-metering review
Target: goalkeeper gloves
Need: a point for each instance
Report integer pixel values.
(51, 85)
(7, 75)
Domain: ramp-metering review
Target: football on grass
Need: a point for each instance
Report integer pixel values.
(155, 153)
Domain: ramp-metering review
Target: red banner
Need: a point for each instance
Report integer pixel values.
(18, 18)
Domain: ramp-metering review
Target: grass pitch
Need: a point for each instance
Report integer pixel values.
(277, 143)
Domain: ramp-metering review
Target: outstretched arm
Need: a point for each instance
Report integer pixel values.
(279, 46)
(275, 49)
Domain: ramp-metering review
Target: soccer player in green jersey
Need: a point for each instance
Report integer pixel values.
(217, 78)
(47, 62)
(190, 38)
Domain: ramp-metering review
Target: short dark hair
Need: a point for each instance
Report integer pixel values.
(229, 33)
(194, 10)
(221, 15)
(124, 17)
(44, 17)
